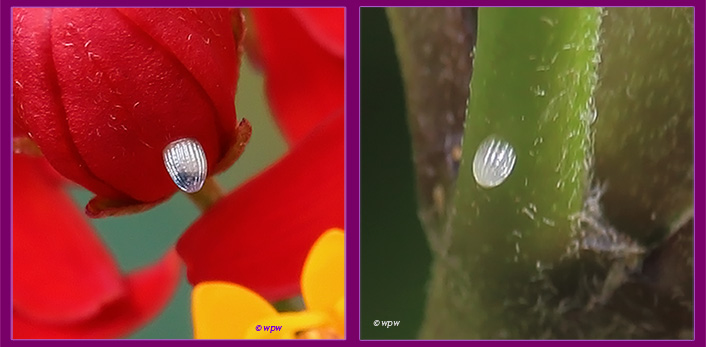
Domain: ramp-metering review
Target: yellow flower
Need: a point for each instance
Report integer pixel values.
(224, 310)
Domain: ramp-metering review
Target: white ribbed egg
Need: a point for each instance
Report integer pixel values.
(185, 161)
(493, 162)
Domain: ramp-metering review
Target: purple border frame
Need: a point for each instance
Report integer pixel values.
(352, 160)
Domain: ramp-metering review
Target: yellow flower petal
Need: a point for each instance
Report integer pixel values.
(287, 325)
(323, 276)
(223, 310)
(339, 314)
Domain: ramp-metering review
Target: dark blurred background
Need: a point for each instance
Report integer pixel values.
(394, 256)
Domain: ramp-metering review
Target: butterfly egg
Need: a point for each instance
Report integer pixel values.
(493, 162)
(185, 161)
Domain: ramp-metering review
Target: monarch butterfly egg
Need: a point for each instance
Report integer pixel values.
(493, 162)
(185, 161)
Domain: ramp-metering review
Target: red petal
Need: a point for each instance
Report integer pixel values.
(36, 98)
(259, 235)
(126, 98)
(304, 80)
(40, 167)
(61, 270)
(149, 290)
(326, 26)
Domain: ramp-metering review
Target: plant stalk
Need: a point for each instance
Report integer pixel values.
(209, 194)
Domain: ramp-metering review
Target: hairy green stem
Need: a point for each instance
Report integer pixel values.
(534, 74)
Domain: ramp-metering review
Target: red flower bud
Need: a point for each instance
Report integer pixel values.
(102, 91)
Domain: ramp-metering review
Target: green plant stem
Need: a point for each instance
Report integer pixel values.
(534, 74)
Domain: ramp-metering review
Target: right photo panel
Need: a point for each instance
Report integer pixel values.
(527, 173)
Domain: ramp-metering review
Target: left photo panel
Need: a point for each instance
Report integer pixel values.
(178, 173)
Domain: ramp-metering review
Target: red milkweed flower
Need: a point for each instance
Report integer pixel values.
(102, 91)
(120, 159)
(284, 209)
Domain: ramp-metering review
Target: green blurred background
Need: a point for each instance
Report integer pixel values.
(395, 258)
(141, 239)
